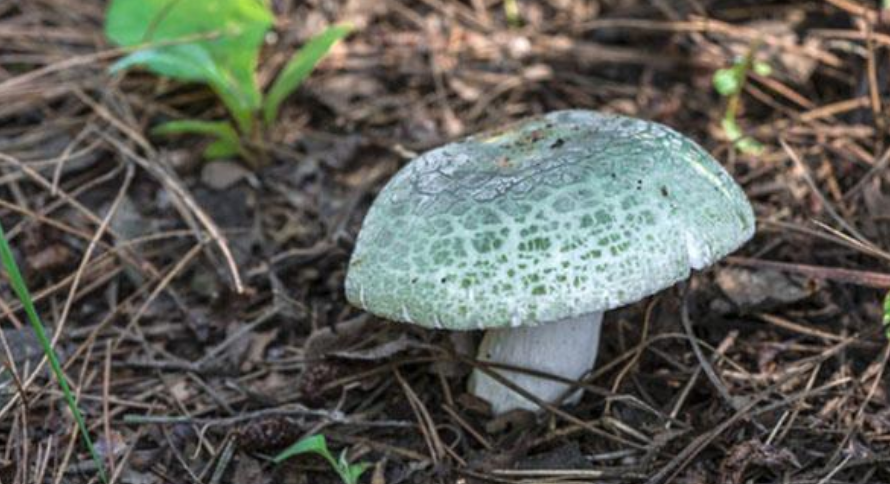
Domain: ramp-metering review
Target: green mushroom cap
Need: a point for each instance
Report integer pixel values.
(550, 218)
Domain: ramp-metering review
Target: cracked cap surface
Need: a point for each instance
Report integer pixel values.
(553, 217)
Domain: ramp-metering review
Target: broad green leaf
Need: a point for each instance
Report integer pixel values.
(299, 67)
(211, 41)
(227, 142)
(220, 129)
(221, 149)
(352, 473)
(188, 62)
(727, 81)
(315, 444)
(192, 62)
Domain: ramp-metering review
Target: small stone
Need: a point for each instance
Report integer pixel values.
(221, 175)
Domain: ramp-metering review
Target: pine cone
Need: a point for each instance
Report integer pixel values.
(267, 434)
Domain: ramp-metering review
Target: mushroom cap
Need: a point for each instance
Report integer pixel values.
(553, 217)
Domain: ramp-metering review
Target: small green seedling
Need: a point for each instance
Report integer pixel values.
(217, 43)
(316, 444)
(730, 82)
(511, 12)
(24, 296)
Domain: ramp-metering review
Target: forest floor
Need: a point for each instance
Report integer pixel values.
(187, 373)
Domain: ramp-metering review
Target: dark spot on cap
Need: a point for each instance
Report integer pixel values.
(664, 192)
(556, 144)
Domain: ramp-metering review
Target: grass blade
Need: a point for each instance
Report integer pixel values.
(21, 291)
(299, 67)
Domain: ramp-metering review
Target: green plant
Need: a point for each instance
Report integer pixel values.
(887, 316)
(21, 291)
(217, 43)
(511, 12)
(316, 444)
(730, 82)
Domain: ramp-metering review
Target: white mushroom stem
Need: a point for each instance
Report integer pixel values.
(565, 348)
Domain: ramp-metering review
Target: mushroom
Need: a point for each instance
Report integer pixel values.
(533, 231)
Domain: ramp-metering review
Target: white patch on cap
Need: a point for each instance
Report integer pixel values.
(698, 252)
